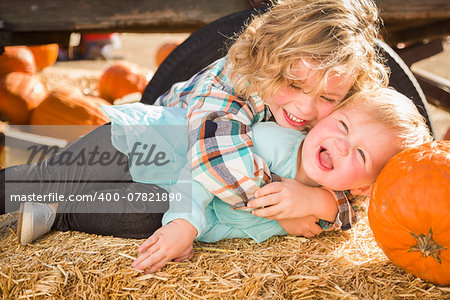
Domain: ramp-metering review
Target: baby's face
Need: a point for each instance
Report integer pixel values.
(347, 150)
(298, 106)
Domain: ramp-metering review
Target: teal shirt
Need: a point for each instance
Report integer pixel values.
(213, 218)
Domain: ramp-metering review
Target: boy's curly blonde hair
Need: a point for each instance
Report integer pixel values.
(338, 35)
(395, 111)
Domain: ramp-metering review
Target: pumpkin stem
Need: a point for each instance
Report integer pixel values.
(427, 246)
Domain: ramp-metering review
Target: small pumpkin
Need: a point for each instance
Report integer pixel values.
(17, 59)
(20, 93)
(164, 50)
(44, 55)
(120, 79)
(67, 106)
(409, 208)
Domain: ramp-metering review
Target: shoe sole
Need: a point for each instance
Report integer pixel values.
(25, 224)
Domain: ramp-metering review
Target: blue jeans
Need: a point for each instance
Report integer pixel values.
(126, 219)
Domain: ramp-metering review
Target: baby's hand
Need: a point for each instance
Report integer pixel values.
(170, 242)
(283, 200)
(305, 226)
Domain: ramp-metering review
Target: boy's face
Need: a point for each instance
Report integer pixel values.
(347, 150)
(297, 106)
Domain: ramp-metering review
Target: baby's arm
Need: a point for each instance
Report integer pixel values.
(170, 242)
(184, 220)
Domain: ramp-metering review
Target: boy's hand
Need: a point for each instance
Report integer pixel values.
(170, 242)
(305, 226)
(283, 200)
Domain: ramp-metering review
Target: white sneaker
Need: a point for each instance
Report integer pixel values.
(35, 220)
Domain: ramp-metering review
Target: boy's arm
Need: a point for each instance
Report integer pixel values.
(322, 220)
(290, 199)
(324, 206)
(304, 226)
(219, 133)
(220, 141)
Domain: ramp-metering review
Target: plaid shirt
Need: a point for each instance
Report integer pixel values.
(220, 138)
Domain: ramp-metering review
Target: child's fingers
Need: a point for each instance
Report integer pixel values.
(313, 230)
(268, 189)
(148, 243)
(270, 212)
(263, 201)
(187, 254)
(157, 266)
(191, 254)
(316, 229)
(309, 234)
(149, 261)
(143, 256)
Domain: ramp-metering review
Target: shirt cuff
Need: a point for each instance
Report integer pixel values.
(199, 224)
(346, 216)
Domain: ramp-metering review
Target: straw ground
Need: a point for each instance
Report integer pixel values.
(336, 265)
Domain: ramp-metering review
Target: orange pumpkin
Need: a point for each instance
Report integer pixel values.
(119, 80)
(44, 55)
(66, 106)
(17, 59)
(20, 93)
(409, 210)
(164, 50)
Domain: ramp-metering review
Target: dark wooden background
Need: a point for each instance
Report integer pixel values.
(419, 25)
(44, 21)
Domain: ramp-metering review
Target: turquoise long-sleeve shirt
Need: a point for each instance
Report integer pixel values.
(213, 218)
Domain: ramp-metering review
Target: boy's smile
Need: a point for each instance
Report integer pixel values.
(293, 120)
(300, 105)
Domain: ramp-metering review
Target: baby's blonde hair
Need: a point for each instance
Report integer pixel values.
(339, 35)
(395, 111)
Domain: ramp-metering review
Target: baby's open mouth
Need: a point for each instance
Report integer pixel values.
(325, 159)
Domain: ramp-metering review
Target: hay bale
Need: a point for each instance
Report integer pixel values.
(333, 265)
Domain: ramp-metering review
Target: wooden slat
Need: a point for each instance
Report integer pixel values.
(46, 21)
(404, 10)
(165, 15)
(119, 15)
(419, 51)
(416, 32)
(436, 88)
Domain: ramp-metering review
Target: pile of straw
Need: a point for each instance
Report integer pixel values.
(333, 265)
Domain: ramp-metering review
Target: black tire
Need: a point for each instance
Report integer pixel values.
(202, 48)
(403, 80)
(209, 44)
